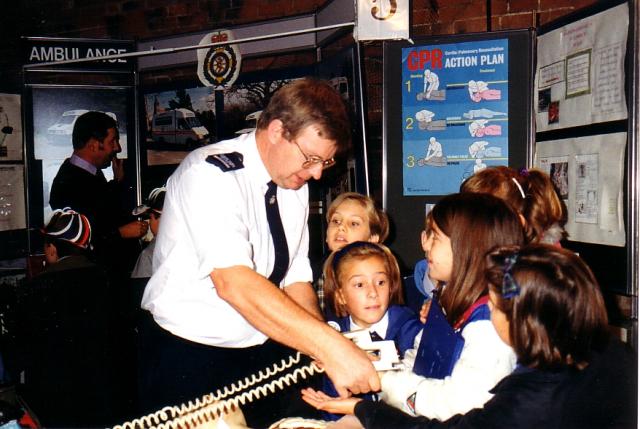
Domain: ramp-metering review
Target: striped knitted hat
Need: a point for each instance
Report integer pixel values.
(71, 226)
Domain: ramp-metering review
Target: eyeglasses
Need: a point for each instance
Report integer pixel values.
(311, 161)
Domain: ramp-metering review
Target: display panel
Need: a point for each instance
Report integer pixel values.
(587, 68)
(183, 116)
(580, 76)
(10, 128)
(341, 71)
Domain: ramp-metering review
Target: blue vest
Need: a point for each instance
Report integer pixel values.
(441, 344)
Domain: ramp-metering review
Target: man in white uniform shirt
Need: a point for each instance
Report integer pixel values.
(216, 316)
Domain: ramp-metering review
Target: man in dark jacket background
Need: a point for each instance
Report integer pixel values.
(80, 185)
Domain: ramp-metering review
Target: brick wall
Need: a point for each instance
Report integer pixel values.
(144, 19)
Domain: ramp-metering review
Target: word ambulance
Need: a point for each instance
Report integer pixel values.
(64, 53)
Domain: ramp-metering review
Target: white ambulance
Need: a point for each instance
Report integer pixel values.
(178, 126)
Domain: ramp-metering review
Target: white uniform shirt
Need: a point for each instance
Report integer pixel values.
(380, 327)
(216, 219)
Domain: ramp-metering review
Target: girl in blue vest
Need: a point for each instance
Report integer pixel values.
(364, 289)
(459, 357)
(546, 303)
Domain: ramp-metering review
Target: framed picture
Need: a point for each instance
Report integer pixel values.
(51, 114)
(250, 94)
(181, 117)
(10, 128)
(177, 121)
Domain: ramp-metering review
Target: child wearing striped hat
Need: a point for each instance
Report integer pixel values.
(67, 327)
(67, 237)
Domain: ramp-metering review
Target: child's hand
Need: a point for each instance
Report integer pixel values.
(424, 311)
(321, 401)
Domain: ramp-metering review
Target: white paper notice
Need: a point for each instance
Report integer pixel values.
(12, 207)
(578, 66)
(608, 88)
(588, 172)
(580, 75)
(586, 207)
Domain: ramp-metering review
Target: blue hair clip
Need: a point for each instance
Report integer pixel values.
(510, 287)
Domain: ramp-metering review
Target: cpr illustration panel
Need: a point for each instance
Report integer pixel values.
(455, 113)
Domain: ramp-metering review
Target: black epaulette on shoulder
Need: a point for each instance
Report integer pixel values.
(227, 161)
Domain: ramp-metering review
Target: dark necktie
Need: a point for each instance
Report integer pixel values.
(100, 176)
(281, 263)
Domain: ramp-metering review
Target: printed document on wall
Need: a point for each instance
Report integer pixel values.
(580, 73)
(588, 172)
(12, 206)
(10, 128)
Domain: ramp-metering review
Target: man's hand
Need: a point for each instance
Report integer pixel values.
(321, 401)
(117, 165)
(350, 369)
(135, 229)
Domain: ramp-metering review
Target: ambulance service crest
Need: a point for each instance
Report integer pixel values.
(219, 65)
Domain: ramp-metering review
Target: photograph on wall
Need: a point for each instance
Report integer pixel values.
(178, 121)
(55, 111)
(558, 169)
(580, 75)
(244, 102)
(588, 172)
(455, 113)
(12, 206)
(245, 99)
(10, 128)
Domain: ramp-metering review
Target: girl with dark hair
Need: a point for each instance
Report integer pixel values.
(546, 304)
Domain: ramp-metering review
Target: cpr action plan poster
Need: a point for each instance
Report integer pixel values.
(455, 113)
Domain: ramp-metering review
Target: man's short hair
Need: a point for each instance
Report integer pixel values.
(310, 101)
(91, 125)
